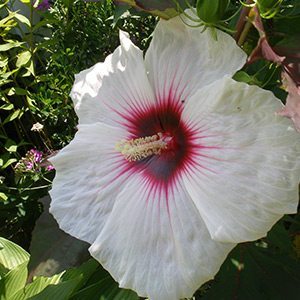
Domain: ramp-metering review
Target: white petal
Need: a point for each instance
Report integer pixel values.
(83, 191)
(246, 173)
(108, 91)
(156, 243)
(182, 59)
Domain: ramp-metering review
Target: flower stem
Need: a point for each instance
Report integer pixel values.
(243, 25)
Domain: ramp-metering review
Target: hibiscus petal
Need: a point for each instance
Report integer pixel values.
(182, 59)
(83, 190)
(246, 174)
(108, 91)
(156, 243)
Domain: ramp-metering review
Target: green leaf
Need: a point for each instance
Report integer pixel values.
(5, 163)
(3, 61)
(10, 16)
(10, 45)
(23, 58)
(13, 281)
(36, 287)
(102, 286)
(3, 4)
(60, 291)
(242, 76)
(23, 19)
(16, 114)
(42, 23)
(119, 11)
(16, 90)
(105, 289)
(85, 271)
(164, 9)
(30, 69)
(11, 145)
(11, 255)
(266, 269)
(7, 106)
(3, 197)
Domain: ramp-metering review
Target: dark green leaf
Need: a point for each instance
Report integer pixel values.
(261, 270)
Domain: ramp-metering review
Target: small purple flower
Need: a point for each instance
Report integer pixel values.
(49, 168)
(36, 155)
(29, 165)
(43, 5)
(33, 161)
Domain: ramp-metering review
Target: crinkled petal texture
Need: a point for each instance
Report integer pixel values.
(182, 59)
(152, 240)
(249, 160)
(163, 225)
(156, 243)
(87, 180)
(110, 91)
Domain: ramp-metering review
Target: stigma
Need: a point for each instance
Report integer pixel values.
(143, 147)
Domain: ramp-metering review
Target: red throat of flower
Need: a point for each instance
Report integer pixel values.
(160, 144)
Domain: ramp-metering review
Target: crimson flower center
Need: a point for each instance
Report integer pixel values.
(172, 146)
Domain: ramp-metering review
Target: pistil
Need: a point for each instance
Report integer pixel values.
(140, 148)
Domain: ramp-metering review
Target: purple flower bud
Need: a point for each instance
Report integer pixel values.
(50, 168)
(36, 155)
(29, 165)
(43, 5)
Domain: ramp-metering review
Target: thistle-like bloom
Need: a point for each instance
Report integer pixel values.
(30, 163)
(173, 162)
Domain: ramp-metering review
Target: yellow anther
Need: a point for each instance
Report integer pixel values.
(140, 148)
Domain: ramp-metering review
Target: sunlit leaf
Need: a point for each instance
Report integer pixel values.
(4, 3)
(3, 197)
(37, 286)
(23, 58)
(7, 106)
(16, 114)
(22, 19)
(60, 291)
(13, 281)
(5, 163)
(11, 255)
(10, 45)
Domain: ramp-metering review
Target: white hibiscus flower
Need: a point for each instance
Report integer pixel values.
(173, 162)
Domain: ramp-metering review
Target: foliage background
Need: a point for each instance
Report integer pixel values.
(40, 51)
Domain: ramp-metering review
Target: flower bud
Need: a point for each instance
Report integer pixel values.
(211, 12)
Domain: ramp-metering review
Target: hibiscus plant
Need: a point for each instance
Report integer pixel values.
(167, 136)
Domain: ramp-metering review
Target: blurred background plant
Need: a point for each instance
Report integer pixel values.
(43, 44)
(40, 52)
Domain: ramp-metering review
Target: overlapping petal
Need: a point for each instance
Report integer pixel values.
(164, 229)
(84, 189)
(182, 59)
(247, 174)
(156, 243)
(110, 91)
